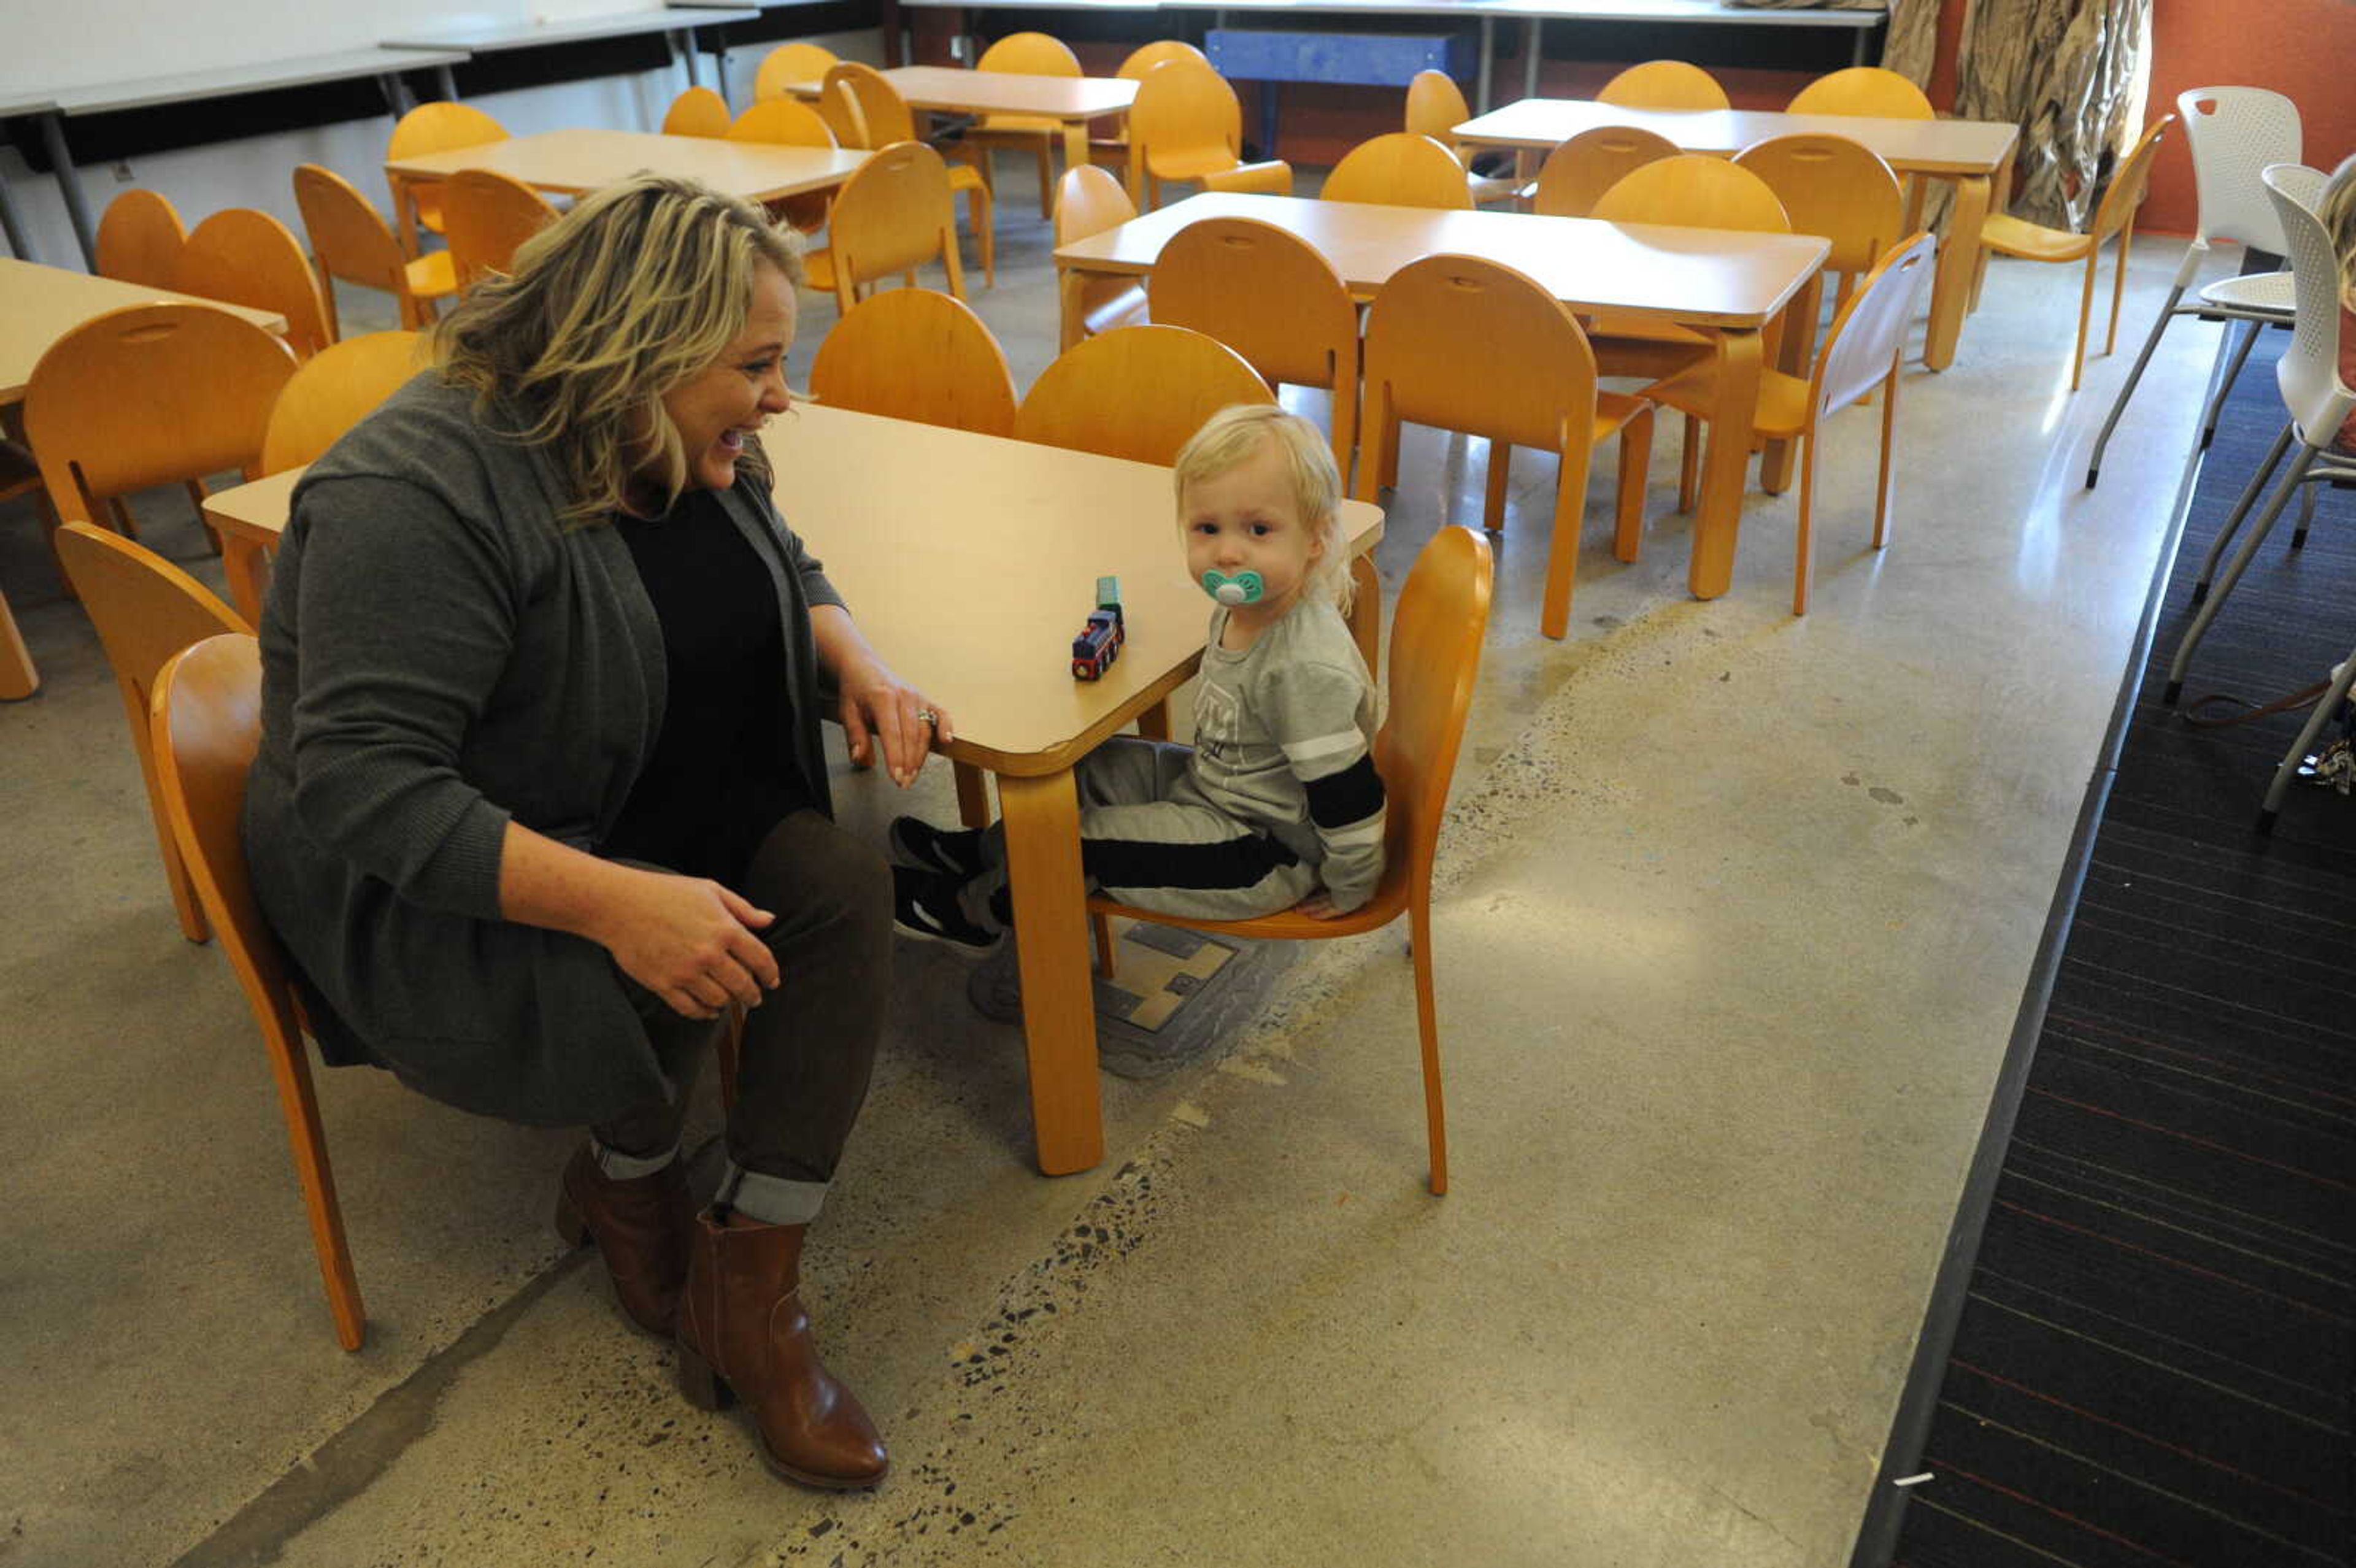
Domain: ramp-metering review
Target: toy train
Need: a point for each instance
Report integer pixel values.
(1098, 645)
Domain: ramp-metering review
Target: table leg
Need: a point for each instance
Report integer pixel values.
(61, 163)
(2000, 200)
(1488, 65)
(1367, 610)
(245, 566)
(1154, 722)
(1959, 260)
(1075, 144)
(404, 212)
(1069, 281)
(972, 795)
(20, 244)
(449, 83)
(1727, 465)
(19, 678)
(1059, 1020)
(1531, 42)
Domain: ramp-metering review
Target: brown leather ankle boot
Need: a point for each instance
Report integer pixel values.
(640, 1226)
(742, 1329)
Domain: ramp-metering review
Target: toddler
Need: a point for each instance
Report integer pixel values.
(1277, 803)
(2339, 214)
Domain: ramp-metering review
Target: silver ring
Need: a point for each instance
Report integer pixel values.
(926, 716)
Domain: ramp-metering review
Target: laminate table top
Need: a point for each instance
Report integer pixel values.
(1909, 146)
(488, 37)
(574, 163)
(954, 90)
(40, 305)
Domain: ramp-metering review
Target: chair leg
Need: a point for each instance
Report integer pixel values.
(2085, 315)
(2233, 373)
(972, 795)
(1501, 474)
(2305, 517)
(1803, 556)
(2249, 497)
(176, 869)
(1562, 553)
(980, 212)
(2119, 286)
(1689, 465)
(1046, 180)
(952, 263)
(1635, 474)
(2317, 717)
(2127, 390)
(300, 1105)
(1100, 927)
(1889, 454)
(1427, 1026)
(2241, 559)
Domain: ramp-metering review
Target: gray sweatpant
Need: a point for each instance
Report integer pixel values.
(1150, 837)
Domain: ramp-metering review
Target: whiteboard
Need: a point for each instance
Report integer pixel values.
(50, 44)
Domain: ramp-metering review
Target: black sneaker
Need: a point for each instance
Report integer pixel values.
(924, 906)
(915, 842)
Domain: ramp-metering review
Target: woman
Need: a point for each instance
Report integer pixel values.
(539, 791)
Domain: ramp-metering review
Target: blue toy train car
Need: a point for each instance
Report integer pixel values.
(1098, 645)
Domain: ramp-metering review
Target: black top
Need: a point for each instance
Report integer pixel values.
(721, 773)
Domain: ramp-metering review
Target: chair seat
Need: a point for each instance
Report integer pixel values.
(818, 268)
(1107, 303)
(1272, 177)
(1782, 400)
(1289, 924)
(1191, 163)
(965, 176)
(2268, 292)
(2033, 241)
(432, 275)
(1015, 125)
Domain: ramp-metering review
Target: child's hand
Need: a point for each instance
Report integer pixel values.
(1318, 906)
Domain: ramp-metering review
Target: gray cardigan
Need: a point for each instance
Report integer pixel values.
(438, 657)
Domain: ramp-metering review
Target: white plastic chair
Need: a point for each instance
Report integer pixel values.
(2320, 403)
(2235, 132)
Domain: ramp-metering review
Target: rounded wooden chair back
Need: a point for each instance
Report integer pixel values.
(1834, 188)
(138, 237)
(2129, 181)
(1145, 57)
(698, 112)
(1533, 380)
(787, 65)
(439, 127)
(334, 392)
(1862, 348)
(1400, 168)
(349, 237)
(207, 727)
(1089, 201)
(1664, 85)
(893, 213)
(913, 354)
(783, 121)
(1267, 293)
(1576, 175)
(1866, 90)
(243, 256)
(1137, 392)
(1437, 630)
(1185, 113)
(488, 215)
(872, 112)
(151, 394)
(1435, 106)
(1696, 191)
(1029, 53)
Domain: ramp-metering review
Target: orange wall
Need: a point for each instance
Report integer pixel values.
(2303, 48)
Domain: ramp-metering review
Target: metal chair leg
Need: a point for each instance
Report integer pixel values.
(2232, 373)
(2241, 559)
(2250, 494)
(2135, 374)
(2316, 718)
(2306, 516)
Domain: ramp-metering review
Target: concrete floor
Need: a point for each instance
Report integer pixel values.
(1736, 914)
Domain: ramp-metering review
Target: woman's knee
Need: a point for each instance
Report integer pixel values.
(813, 876)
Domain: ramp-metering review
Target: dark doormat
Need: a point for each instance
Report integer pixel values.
(1174, 996)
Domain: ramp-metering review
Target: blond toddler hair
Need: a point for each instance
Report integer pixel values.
(1237, 433)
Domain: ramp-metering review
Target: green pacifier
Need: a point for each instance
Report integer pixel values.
(1243, 588)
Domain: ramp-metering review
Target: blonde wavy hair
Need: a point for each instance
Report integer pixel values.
(636, 291)
(2338, 211)
(1234, 436)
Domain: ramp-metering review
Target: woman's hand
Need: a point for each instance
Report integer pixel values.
(880, 708)
(689, 941)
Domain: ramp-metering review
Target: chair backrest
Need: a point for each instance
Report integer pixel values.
(138, 237)
(1400, 168)
(1532, 382)
(916, 355)
(2129, 182)
(243, 256)
(1145, 57)
(785, 121)
(1437, 630)
(207, 726)
(488, 215)
(1089, 201)
(872, 112)
(894, 212)
(1664, 85)
(1576, 175)
(2308, 370)
(787, 64)
(1862, 348)
(1435, 106)
(1029, 53)
(2236, 132)
(144, 609)
(334, 392)
(1183, 110)
(349, 237)
(1863, 89)
(698, 112)
(1137, 392)
(1265, 292)
(151, 394)
(1834, 188)
(1696, 191)
(441, 127)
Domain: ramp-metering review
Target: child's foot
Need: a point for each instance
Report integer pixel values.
(915, 842)
(925, 905)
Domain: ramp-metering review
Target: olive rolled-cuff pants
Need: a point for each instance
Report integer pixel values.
(809, 1048)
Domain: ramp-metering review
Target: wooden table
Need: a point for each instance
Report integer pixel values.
(38, 306)
(908, 520)
(1727, 283)
(1072, 100)
(1976, 154)
(574, 162)
(483, 36)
